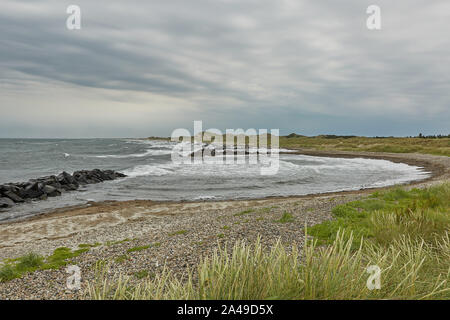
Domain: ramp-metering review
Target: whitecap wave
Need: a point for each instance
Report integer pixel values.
(150, 152)
(204, 198)
(148, 170)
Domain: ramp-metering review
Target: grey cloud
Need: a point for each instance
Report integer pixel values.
(264, 59)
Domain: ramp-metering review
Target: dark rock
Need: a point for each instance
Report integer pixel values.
(70, 187)
(32, 190)
(80, 177)
(31, 186)
(9, 187)
(52, 186)
(97, 174)
(65, 178)
(51, 191)
(14, 197)
(40, 186)
(111, 175)
(6, 203)
(93, 179)
(33, 194)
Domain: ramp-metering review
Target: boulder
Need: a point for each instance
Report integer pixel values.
(32, 186)
(33, 194)
(6, 203)
(51, 191)
(51, 186)
(70, 187)
(14, 197)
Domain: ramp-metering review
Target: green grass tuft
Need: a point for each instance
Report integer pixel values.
(8, 272)
(179, 232)
(15, 268)
(286, 218)
(141, 274)
(122, 258)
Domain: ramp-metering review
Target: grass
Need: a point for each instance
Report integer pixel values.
(419, 212)
(122, 258)
(61, 257)
(110, 243)
(410, 270)
(285, 218)
(390, 144)
(404, 233)
(32, 262)
(177, 233)
(141, 274)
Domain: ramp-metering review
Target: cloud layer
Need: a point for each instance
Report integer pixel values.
(145, 68)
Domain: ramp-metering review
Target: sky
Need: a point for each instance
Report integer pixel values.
(145, 68)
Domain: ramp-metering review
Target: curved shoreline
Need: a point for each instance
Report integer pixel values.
(71, 221)
(437, 166)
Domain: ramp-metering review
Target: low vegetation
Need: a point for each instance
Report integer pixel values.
(141, 274)
(286, 218)
(177, 233)
(404, 233)
(122, 258)
(387, 215)
(15, 268)
(426, 145)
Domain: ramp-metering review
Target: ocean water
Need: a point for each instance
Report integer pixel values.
(152, 174)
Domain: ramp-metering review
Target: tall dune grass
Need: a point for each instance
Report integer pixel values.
(404, 233)
(411, 269)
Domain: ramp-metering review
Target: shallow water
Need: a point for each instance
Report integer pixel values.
(152, 175)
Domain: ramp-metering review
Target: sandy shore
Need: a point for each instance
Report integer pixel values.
(178, 233)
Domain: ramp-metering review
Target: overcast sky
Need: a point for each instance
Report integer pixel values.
(142, 68)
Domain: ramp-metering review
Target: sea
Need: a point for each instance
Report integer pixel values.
(153, 175)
